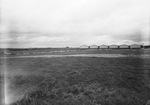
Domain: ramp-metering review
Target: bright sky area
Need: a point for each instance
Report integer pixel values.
(60, 23)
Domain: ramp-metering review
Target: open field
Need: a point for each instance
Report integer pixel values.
(79, 80)
(1, 82)
(70, 51)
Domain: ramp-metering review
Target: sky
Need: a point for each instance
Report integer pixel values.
(61, 23)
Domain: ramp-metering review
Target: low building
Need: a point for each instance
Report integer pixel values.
(113, 46)
(124, 46)
(135, 46)
(94, 46)
(147, 46)
(103, 46)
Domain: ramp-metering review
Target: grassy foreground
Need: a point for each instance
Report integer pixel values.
(80, 81)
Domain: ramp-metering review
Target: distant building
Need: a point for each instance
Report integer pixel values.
(84, 46)
(135, 46)
(103, 46)
(147, 46)
(93, 46)
(113, 46)
(124, 46)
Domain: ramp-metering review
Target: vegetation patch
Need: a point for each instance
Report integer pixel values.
(81, 81)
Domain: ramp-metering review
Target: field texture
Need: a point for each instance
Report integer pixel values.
(78, 81)
(76, 51)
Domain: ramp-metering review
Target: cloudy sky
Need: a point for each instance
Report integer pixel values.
(60, 23)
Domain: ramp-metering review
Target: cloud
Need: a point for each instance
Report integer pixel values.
(74, 22)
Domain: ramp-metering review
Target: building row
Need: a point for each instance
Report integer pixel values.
(124, 46)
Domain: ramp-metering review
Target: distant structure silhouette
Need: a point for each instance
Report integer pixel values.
(103, 46)
(94, 46)
(124, 46)
(113, 46)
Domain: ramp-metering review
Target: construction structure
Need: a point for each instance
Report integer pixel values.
(103, 46)
(135, 46)
(113, 46)
(94, 47)
(124, 46)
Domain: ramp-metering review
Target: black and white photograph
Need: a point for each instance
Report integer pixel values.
(74, 52)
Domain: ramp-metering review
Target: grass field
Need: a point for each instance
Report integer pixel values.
(77, 51)
(78, 81)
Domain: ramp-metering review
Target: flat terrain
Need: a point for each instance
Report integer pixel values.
(75, 51)
(79, 80)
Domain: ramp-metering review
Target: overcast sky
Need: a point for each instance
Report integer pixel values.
(60, 23)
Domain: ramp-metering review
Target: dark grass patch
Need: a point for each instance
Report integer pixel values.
(82, 81)
(92, 94)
